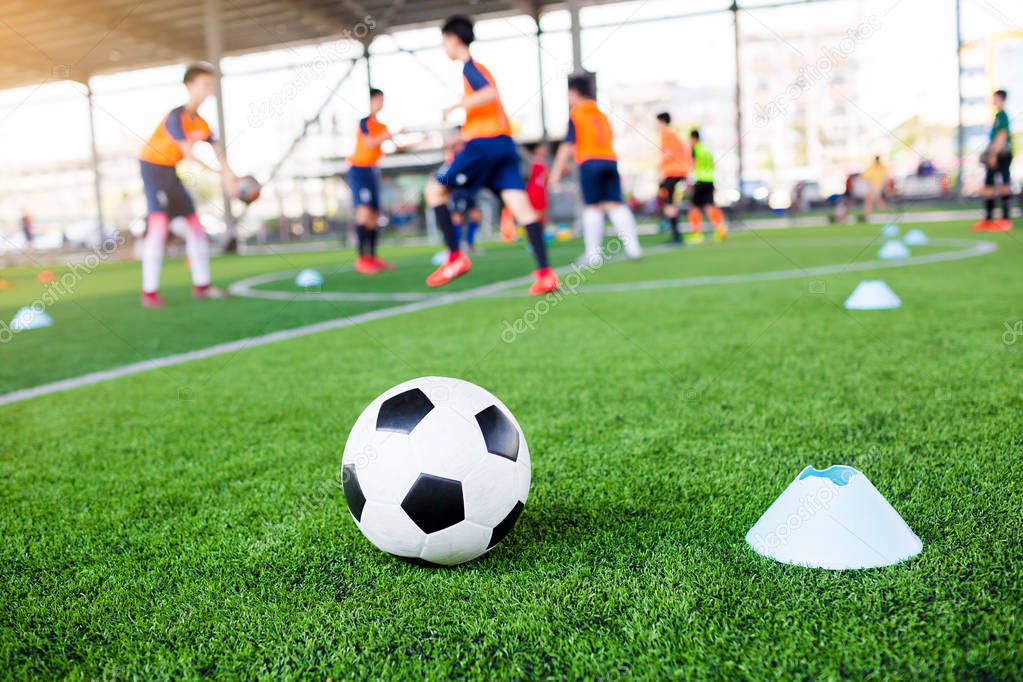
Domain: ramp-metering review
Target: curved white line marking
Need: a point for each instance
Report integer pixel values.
(977, 248)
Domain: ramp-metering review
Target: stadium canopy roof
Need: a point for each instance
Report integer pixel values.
(71, 39)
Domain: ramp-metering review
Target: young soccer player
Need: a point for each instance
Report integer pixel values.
(703, 192)
(876, 178)
(676, 163)
(166, 196)
(364, 181)
(998, 162)
(488, 159)
(590, 141)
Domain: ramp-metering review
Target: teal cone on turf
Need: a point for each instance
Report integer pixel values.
(893, 250)
(872, 294)
(28, 318)
(309, 278)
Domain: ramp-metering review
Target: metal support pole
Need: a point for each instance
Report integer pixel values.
(577, 45)
(214, 52)
(97, 179)
(369, 69)
(961, 132)
(539, 71)
(738, 96)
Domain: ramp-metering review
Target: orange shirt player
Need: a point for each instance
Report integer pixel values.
(364, 181)
(676, 164)
(489, 159)
(166, 196)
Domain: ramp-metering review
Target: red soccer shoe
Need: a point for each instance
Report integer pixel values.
(458, 264)
(153, 299)
(382, 264)
(364, 265)
(546, 281)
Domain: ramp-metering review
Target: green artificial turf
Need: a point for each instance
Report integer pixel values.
(187, 522)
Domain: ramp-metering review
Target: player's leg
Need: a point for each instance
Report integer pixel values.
(517, 202)
(437, 196)
(593, 213)
(988, 194)
(502, 177)
(153, 243)
(717, 219)
(362, 182)
(473, 218)
(666, 195)
(155, 181)
(700, 202)
(621, 215)
(1005, 168)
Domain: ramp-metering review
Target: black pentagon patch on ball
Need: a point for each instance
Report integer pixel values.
(401, 413)
(499, 432)
(434, 503)
(353, 491)
(503, 528)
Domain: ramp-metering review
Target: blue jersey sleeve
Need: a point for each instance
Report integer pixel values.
(570, 135)
(174, 127)
(476, 79)
(364, 126)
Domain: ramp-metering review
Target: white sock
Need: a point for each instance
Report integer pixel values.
(197, 246)
(625, 225)
(593, 234)
(152, 256)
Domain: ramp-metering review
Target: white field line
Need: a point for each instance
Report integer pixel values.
(976, 248)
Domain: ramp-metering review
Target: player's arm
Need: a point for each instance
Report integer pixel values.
(228, 176)
(1000, 142)
(561, 160)
(483, 91)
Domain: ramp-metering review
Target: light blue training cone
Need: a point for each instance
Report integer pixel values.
(891, 230)
(309, 278)
(872, 294)
(29, 318)
(915, 238)
(893, 250)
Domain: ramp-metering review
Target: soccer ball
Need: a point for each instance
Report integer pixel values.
(249, 189)
(437, 470)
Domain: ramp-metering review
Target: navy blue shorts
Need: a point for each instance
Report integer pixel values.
(462, 201)
(600, 182)
(1001, 173)
(164, 191)
(364, 182)
(491, 162)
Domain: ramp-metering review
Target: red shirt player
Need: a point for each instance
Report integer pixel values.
(536, 186)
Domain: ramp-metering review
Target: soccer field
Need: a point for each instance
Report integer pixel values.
(187, 521)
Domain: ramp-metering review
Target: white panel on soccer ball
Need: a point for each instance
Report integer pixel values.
(449, 445)
(387, 467)
(491, 490)
(459, 543)
(439, 390)
(389, 528)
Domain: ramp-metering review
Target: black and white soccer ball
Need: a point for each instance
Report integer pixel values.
(436, 469)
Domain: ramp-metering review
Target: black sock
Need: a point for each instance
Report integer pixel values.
(673, 224)
(989, 208)
(535, 233)
(372, 235)
(446, 227)
(361, 238)
(1007, 207)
